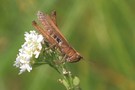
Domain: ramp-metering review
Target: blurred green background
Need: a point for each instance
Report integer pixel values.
(103, 31)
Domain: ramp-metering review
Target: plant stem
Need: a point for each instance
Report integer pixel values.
(68, 80)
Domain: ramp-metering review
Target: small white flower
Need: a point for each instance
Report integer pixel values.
(30, 48)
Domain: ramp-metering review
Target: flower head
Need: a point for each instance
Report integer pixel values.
(31, 48)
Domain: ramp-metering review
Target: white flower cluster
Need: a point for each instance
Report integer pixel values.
(31, 48)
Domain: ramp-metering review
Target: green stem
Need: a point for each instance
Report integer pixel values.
(68, 80)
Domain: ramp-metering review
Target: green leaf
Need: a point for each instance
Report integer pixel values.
(76, 81)
(65, 84)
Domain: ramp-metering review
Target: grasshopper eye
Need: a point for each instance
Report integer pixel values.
(79, 57)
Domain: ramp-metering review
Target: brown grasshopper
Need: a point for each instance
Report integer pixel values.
(53, 35)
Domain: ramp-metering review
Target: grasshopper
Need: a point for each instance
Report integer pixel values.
(53, 35)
